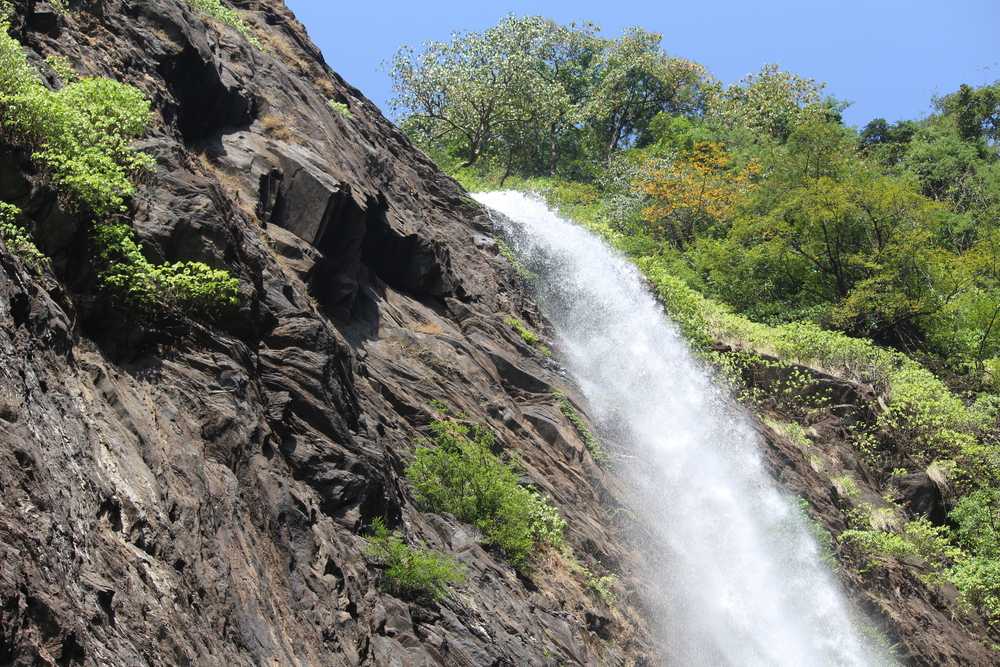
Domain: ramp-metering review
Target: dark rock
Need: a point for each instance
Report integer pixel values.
(195, 496)
(921, 496)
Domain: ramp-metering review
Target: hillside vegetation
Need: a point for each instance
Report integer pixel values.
(767, 224)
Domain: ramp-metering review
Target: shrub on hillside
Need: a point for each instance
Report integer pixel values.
(458, 473)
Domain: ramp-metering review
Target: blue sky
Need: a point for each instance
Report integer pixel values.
(887, 57)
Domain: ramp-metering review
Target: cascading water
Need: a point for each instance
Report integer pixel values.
(734, 576)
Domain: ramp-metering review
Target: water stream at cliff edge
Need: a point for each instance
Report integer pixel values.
(735, 577)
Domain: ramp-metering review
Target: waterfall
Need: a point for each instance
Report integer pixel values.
(733, 574)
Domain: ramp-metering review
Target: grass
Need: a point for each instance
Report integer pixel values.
(527, 335)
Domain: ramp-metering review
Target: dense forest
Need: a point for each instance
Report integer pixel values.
(767, 223)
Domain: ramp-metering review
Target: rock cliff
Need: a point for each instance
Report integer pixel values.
(198, 494)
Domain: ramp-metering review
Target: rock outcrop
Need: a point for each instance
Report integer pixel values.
(197, 495)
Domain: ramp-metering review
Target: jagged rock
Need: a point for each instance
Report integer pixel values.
(198, 496)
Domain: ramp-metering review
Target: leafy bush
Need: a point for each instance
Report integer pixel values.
(461, 475)
(191, 287)
(603, 587)
(340, 108)
(63, 68)
(411, 571)
(80, 135)
(978, 580)
(918, 539)
(227, 16)
(17, 239)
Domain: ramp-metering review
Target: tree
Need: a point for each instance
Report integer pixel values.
(770, 102)
(690, 193)
(976, 110)
(479, 86)
(634, 81)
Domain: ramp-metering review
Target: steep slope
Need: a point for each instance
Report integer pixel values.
(197, 494)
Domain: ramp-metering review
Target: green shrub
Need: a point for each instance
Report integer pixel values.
(191, 287)
(918, 539)
(462, 476)
(227, 16)
(340, 108)
(411, 571)
(978, 580)
(602, 587)
(63, 68)
(977, 516)
(80, 135)
(18, 240)
(590, 441)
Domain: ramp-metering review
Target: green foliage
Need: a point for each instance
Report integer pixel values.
(159, 289)
(527, 335)
(18, 240)
(918, 539)
(80, 134)
(461, 475)
(529, 96)
(590, 441)
(411, 571)
(771, 102)
(63, 68)
(602, 587)
(340, 108)
(978, 580)
(228, 16)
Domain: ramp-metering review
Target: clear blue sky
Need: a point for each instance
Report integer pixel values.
(887, 57)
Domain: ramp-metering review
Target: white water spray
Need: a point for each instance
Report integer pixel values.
(734, 576)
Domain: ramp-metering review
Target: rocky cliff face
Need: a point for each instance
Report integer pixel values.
(198, 495)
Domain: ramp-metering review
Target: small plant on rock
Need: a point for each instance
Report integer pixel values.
(227, 16)
(527, 335)
(340, 108)
(18, 240)
(411, 571)
(590, 441)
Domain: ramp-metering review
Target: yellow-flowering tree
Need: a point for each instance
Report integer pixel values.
(693, 192)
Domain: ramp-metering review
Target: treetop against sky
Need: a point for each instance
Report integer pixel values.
(887, 57)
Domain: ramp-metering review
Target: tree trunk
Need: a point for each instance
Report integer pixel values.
(553, 151)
